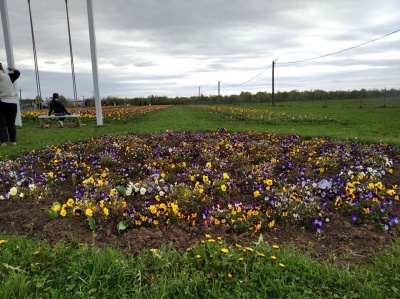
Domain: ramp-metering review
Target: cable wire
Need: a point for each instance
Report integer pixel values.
(72, 56)
(212, 91)
(39, 92)
(247, 80)
(308, 59)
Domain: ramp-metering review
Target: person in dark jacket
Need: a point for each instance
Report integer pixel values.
(58, 107)
(8, 105)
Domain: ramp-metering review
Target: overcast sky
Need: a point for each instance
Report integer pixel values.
(178, 47)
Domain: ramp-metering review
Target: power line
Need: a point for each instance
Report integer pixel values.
(247, 80)
(308, 59)
(212, 91)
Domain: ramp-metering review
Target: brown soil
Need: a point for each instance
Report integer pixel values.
(342, 242)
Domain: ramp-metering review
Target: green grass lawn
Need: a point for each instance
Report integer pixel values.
(366, 125)
(370, 125)
(35, 270)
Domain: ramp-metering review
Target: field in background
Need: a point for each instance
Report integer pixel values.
(369, 124)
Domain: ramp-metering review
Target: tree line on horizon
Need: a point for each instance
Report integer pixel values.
(259, 97)
(244, 97)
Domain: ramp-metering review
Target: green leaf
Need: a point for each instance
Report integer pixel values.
(121, 190)
(260, 240)
(50, 213)
(92, 223)
(122, 225)
(92, 291)
(40, 284)
(17, 269)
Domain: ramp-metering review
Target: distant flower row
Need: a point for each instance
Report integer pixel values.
(247, 180)
(110, 113)
(263, 116)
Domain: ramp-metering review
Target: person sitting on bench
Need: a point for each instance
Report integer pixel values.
(58, 107)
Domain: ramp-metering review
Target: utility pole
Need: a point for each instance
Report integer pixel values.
(198, 98)
(273, 83)
(384, 99)
(219, 88)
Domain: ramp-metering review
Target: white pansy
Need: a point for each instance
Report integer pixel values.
(21, 195)
(388, 163)
(162, 193)
(129, 189)
(13, 191)
(32, 187)
(142, 191)
(2, 197)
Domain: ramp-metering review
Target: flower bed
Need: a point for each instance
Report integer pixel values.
(245, 180)
(110, 113)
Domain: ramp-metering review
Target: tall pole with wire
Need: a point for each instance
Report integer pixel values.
(9, 51)
(95, 70)
(273, 83)
(198, 98)
(39, 92)
(72, 56)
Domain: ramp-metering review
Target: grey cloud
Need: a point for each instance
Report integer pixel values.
(143, 63)
(140, 41)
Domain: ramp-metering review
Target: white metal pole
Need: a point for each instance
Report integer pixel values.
(9, 51)
(95, 71)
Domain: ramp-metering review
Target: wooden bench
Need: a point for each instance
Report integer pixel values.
(43, 117)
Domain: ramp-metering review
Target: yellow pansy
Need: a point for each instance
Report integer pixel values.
(89, 212)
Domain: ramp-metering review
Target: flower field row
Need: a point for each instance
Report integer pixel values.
(110, 113)
(262, 116)
(245, 180)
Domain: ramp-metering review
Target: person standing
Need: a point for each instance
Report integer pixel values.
(58, 107)
(8, 106)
